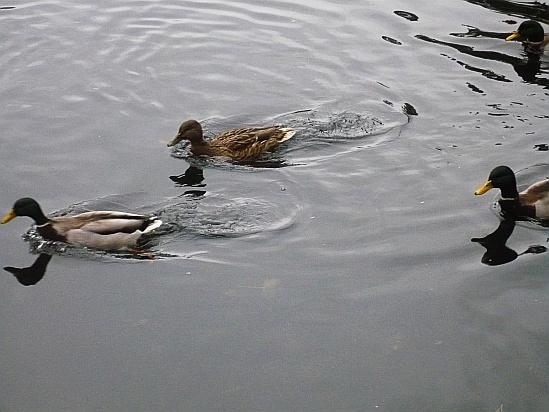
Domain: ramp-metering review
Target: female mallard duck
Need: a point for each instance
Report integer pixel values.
(242, 145)
(532, 33)
(532, 202)
(104, 230)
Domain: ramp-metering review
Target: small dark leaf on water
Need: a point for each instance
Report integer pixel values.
(474, 88)
(536, 249)
(407, 15)
(409, 110)
(390, 40)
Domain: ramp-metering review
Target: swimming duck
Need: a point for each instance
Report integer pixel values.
(242, 145)
(532, 202)
(104, 230)
(532, 32)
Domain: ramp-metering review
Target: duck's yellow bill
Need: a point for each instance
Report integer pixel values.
(487, 186)
(513, 36)
(10, 216)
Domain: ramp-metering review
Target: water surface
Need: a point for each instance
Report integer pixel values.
(338, 274)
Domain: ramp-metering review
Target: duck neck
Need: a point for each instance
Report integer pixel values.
(41, 220)
(200, 148)
(196, 137)
(47, 231)
(509, 193)
(39, 217)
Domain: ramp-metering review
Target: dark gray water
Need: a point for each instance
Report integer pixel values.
(339, 275)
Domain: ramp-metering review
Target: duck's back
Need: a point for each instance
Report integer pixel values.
(245, 144)
(101, 222)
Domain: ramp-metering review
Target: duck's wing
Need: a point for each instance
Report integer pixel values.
(537, 196)
(240, 139)
(103, 222)
(536, 192)
(250, 143)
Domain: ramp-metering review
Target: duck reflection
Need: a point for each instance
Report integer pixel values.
(527, 68)
(497, 251)
(31, 275)
(193, 176)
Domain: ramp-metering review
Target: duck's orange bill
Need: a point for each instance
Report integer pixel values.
(10, 216)
(513, 36)
(487, 186)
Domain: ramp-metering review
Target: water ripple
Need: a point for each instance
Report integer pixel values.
(191, 216)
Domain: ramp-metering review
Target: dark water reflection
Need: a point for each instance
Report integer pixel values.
(337, 273)
(528, 69)
(497, 251)
(527, 10)
(193, 176)
(31, 275)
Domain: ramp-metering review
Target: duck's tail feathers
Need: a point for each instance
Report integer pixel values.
(154, 223)
(288, 134)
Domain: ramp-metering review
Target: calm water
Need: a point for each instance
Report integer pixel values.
(338, 276)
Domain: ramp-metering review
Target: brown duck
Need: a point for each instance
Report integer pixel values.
(243, 145)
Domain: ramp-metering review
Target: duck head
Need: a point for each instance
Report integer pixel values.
(26, 207)
(503, 178)
(189, 130)
(530, 30)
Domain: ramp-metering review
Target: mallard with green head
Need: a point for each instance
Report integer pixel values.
(105, 230)
(532, 36)
(532, 202)
(243, 145)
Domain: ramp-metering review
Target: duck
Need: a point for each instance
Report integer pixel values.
(533, 202)
(242, 145)
(532, 34)
(104, 230)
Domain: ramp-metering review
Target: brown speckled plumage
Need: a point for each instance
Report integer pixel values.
(243, 145)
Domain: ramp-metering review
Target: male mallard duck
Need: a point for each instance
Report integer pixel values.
(532, 32)
(532, 202)
(242, 145)
(104, 230)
